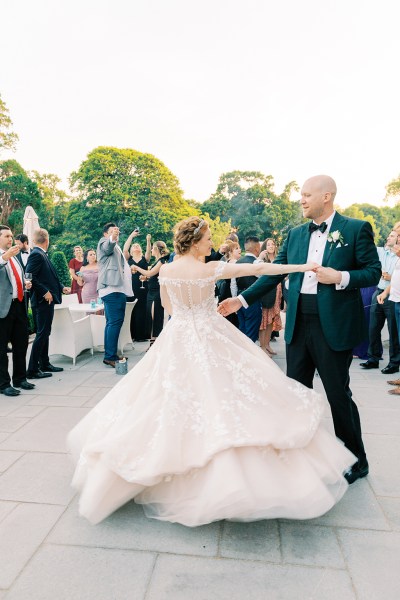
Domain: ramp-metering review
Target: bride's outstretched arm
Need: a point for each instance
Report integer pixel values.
(230, 270)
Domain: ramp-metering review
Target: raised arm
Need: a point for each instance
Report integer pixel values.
(154, 271)
(147, 254)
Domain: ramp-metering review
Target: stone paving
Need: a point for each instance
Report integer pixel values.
(47, 552)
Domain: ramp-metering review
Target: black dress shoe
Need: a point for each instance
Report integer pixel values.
(52, 369)
(10, 391)
(110, 363)
(390, 369)
(37, 375)
(25, 385)
(358, 471)
(370, 365)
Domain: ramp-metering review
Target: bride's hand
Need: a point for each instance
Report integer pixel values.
(311, 266)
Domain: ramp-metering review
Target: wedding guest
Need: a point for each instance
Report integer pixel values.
(325, 317)
(249, 319)
(114, 285)
(392, 293)
(135, 258)
(227, 288)
(46, 292)
(380, 313)
(75, 265)
(13, 317)
(89, 274)
(154, 308)
(22, 241)
(361, 350)
(270, 302)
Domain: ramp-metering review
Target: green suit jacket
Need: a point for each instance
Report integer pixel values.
(341, 312)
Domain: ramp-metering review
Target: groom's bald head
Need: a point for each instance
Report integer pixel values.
(317, 197)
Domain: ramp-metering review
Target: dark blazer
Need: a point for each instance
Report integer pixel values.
(245, 282)
(44, 277)
(341, 311)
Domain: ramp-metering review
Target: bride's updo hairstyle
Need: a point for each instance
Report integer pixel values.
(188, 232)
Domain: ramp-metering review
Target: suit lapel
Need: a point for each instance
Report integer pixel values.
(338, 224)
(304, 242)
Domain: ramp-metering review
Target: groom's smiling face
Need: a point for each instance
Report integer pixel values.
(317, 196)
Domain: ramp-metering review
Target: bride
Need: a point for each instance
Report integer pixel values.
(207, 427)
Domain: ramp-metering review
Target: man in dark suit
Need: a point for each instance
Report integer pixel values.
(250, 318)
(46, 292)
(22, 241)
(325, 316)
(13, 317)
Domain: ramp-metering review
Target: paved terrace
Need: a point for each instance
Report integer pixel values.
(47, 552)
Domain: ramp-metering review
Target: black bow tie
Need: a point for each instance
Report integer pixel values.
(24, 252)
(313, 227)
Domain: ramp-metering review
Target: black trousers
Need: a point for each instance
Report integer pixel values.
(309, 351)
(378, 315)
(14, 329)
(44, 313)
(155, 322)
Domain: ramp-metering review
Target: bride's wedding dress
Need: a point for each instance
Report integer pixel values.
(207, 427)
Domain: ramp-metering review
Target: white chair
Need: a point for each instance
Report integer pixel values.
(69, 337)
(67, 299)
(98, 324)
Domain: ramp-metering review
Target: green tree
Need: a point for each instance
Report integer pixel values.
(247, 199)
(61, 266)
(127, 187)
(54, 202)
(17, 191)
(8, 139)
(393, 189)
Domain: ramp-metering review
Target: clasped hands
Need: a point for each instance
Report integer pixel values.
(325, 275)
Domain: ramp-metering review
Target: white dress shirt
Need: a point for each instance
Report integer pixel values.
(316, 251)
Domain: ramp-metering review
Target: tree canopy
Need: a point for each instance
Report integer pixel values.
(8, 138)
(17, 191)
(247, 199)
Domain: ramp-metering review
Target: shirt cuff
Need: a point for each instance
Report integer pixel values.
(2, 261)
(243, 301)
(344, 281)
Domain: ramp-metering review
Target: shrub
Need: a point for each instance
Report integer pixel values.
(61, 266)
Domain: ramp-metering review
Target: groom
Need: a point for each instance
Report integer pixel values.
(325, 316)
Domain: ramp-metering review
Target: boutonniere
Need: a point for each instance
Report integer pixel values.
(335, 237)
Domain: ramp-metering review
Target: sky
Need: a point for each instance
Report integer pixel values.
(288, 88)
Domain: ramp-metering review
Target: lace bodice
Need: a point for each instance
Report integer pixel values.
(190, 297)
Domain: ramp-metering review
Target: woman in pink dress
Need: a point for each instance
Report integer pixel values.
(89, 275)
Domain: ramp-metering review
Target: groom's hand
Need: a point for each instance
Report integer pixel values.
(229, 306)
(328, 275)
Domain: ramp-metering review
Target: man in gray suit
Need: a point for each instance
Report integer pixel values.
(13, 317)
(113, 286)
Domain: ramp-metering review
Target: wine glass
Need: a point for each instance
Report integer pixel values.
(142, 279)
(27, 277)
